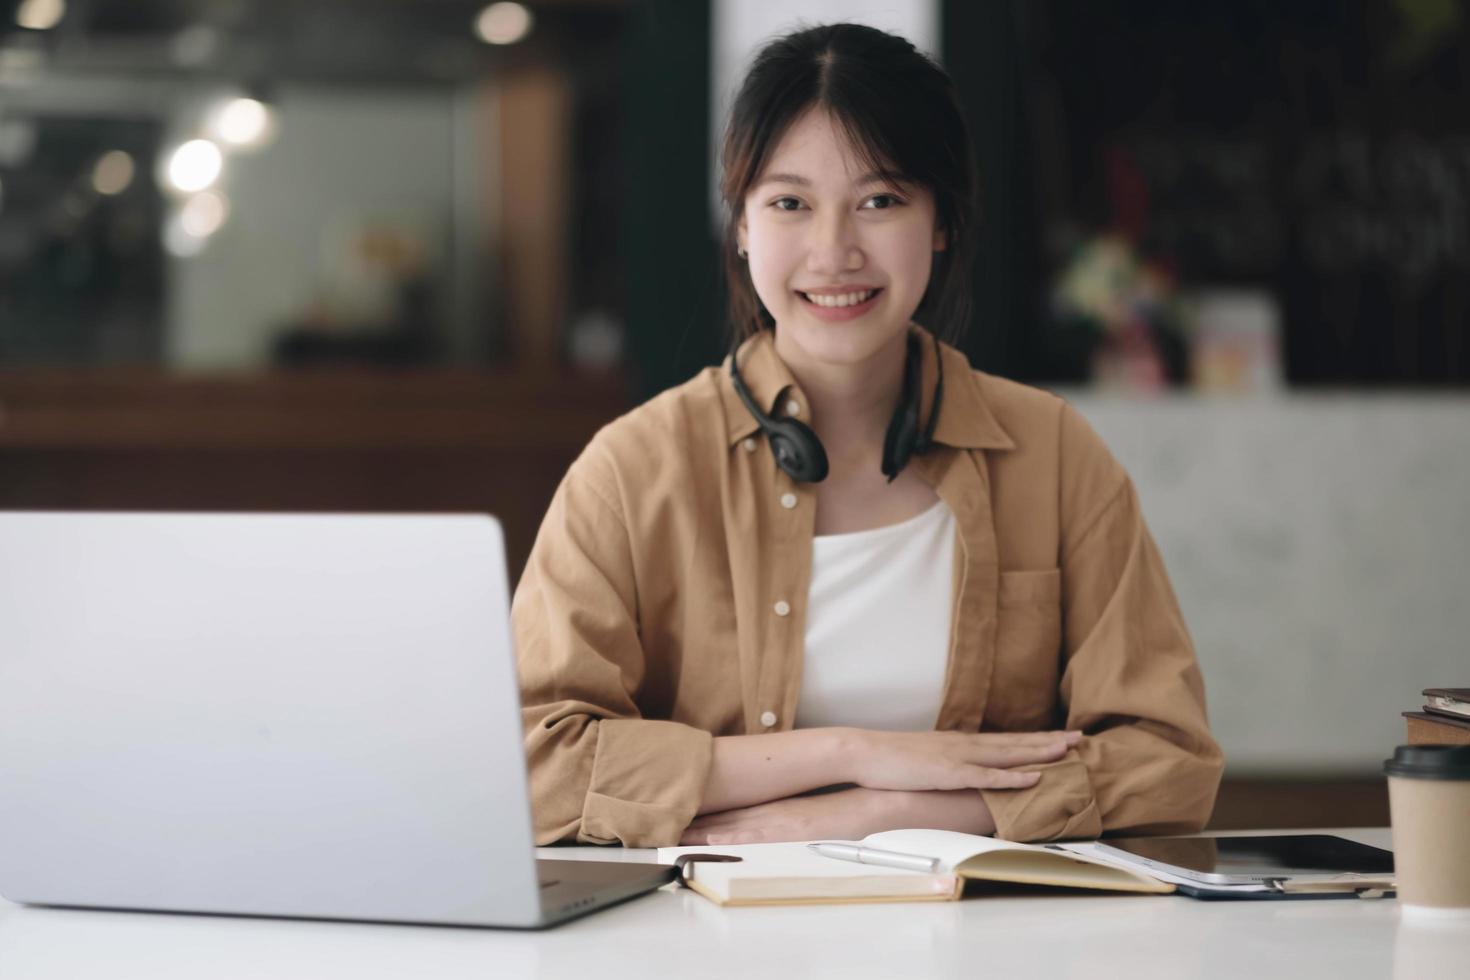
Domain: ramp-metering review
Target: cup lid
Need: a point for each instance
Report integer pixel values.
(1429, 762)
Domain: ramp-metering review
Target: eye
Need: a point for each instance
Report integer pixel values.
(786, 204)
(882, 202)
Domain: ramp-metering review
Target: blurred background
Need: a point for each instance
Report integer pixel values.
(408, 255)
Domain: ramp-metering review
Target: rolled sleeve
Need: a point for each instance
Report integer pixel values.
(1147, 762)
(1061, 806)
(647, 781)
(600, 773)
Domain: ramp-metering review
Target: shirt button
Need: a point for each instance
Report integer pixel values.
(768, 719)
(793, 407)
(788, 500)
(782, 607)
(749, 445)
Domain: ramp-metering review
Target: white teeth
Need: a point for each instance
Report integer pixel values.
(842, 299)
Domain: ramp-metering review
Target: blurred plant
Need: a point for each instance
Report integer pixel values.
(1425, 28)
(1119, 318)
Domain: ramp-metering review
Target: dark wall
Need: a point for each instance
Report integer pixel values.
(675, 307)
(1318, 151)
(985, 52)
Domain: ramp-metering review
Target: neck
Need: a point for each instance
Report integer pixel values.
(851, 404)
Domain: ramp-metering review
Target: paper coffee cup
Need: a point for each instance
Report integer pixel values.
(1429, 807)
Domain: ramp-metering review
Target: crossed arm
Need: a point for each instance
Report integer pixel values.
(757, 785)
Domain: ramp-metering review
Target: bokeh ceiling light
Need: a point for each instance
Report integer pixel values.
(503, 23)
(244, 122)
(194, 166)
(113, 173)
(40, 15)
(178, 242)
(204, 214)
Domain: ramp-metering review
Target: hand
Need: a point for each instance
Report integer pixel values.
(844, 815)
(953, 760)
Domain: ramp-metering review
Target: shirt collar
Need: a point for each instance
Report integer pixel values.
(965, 419)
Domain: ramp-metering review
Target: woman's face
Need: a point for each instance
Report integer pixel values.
(839, 256)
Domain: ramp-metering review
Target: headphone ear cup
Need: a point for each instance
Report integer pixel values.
(797, 449)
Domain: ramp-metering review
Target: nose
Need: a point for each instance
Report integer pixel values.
(834, 245)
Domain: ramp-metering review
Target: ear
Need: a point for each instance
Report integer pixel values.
(941, 239)
(740, 234)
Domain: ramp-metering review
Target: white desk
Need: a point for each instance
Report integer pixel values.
(678, 934)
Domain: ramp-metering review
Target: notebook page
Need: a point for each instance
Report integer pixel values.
(789, 860)
(950, 847)
(790, 872)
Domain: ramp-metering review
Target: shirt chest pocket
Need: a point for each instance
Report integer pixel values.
(1028, 651)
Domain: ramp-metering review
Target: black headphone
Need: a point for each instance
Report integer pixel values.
(799, 452)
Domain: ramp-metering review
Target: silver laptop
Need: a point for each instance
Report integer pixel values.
(287, 715)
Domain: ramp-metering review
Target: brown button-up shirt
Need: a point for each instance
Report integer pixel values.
(645, 622)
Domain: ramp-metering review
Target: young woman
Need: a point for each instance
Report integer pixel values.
(844, 583)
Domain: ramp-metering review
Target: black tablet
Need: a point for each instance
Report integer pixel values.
(1248, 860)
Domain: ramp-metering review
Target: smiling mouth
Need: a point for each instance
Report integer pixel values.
(838, 300)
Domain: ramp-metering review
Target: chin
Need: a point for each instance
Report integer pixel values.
(839, 343)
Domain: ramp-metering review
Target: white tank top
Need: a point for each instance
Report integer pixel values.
(877, 625)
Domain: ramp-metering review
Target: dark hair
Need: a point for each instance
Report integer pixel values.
(897, 108)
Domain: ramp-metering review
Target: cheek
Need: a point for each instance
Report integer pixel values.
(770, 270)
(910, 258)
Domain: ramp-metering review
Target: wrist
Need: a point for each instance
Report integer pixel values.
(963, 810)
(844, 755)
(882, 809)
(898, 808)
(983, 821)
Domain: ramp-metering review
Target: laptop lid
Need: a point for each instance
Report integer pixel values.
(296, 715)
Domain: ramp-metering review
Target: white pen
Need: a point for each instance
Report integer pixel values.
(871, 855)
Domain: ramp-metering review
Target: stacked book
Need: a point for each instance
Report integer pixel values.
(1445, 719)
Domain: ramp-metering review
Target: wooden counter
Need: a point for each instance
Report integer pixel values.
(490, 441)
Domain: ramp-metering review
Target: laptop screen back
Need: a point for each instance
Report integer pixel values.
(300, 715)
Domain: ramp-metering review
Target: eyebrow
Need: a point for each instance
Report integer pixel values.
(875, 177)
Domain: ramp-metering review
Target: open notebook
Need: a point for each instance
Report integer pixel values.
(786, 874)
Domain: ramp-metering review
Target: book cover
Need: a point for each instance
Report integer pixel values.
(1436, 729)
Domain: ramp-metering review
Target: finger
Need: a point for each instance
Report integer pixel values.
(981, 744)
(1007, 757)
(984, 778)
(1044, 741)
(1026, 738)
